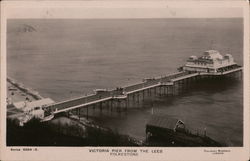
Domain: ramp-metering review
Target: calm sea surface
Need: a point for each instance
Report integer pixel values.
(68, 58)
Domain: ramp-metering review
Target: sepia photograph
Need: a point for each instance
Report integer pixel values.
(151, 77)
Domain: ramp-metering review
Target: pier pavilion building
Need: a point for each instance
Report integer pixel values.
(211, 62)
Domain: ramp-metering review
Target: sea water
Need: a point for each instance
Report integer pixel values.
(67, 58)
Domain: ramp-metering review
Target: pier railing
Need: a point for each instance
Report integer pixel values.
(121, 93)
(84, 100)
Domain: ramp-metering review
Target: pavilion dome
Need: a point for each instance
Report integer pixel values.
(213, 54)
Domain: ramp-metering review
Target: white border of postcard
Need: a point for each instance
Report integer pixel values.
(126, 9)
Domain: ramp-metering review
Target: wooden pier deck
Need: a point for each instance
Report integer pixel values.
(127, 96)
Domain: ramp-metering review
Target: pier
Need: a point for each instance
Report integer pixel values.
(133, 95)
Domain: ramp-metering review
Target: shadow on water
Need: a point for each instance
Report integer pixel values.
(204, 86)
(203, 103)
(215, 85)
(216, 105)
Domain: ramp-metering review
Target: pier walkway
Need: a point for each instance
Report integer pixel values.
(136, 92)
(113, 94)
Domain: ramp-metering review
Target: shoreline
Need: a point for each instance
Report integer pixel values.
(71, 127)
(24, 89)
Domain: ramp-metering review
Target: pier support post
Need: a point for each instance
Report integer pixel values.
(143, 95)
(111, 105)
(173, 90)
(181, 86)
(79, 113)
(128, 101)
(101, 106)
(133, 94)
(118, 105)
(151, 93)
(87, 112)
(186, 84)
(126, 106)
(138, 98)
(178, 87)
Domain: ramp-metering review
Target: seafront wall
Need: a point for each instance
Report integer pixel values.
(24, 89)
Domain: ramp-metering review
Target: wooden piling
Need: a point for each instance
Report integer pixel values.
(100, 104)
(87, 112)
(79, 113)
